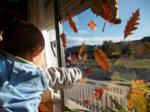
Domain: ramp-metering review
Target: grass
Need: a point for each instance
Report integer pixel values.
(127, 63)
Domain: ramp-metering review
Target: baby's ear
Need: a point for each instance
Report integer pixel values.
(39, 58)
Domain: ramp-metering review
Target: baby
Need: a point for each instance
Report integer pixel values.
(22, 79)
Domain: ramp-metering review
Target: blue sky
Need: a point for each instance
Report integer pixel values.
(112, 32)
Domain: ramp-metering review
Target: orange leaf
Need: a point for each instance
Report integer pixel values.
(92, 25)
(102, 60)
(64, 39)
(131, 24)
(83, 80)
(81, 49)
(72, 23)
(84, 57)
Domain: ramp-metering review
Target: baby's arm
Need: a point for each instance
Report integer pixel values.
(62, 77)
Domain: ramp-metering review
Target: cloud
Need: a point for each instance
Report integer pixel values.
(74, 41)
(83, 32)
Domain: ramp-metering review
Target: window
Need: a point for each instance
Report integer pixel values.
(121, 79)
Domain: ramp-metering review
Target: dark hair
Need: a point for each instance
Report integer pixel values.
(21, 38)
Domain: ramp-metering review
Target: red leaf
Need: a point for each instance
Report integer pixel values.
(72, 23)
(98, 93)
(89, 70)
(131, 24)
(87, 102)
(107, 9)
(64, 39)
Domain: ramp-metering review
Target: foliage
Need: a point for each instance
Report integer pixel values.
(107, 9)
(64, 39)
(137, 97)
(92, 25)
(102, 60)
(131, 24)
(110, 49)
(125, 49)
(72, 23)
(142, 50)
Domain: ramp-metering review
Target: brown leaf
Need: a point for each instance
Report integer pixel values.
(64, 39)
(84, 57)
(72, 23)
(131, 24)
(107, 9)
(81, 49)
(102, 60)
(92, 25)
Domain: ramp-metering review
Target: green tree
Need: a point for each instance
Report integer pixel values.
(110, 49)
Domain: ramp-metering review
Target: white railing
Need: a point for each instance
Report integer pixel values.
(80, 93)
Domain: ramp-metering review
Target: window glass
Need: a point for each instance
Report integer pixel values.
(114, 58)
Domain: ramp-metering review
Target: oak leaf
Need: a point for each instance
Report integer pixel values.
(132, 23)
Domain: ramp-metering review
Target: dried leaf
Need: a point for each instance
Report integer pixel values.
(131, 24)
(88, 70)
(107, 9)
(83, 80)
(64, 39)
(137, 97)
(98, 93)
(72, 23)
(92, 25)
(87, 102)
(84, 57)
(102, 60)
(81, 49)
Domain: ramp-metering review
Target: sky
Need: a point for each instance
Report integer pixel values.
(112, 32)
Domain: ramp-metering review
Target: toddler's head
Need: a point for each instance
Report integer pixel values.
(25, 40)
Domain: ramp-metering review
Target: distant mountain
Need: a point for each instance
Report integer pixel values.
(145, 39)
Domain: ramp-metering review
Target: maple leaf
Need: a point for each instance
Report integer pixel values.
(102, 60)
(64, 39)
(107, 9)
(72, 23)
(131, 24)
(137, 97)
(92, 25)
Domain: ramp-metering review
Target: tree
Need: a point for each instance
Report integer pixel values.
(110, 49)
(125, 49)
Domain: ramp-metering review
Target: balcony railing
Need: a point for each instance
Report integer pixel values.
(83, 95)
